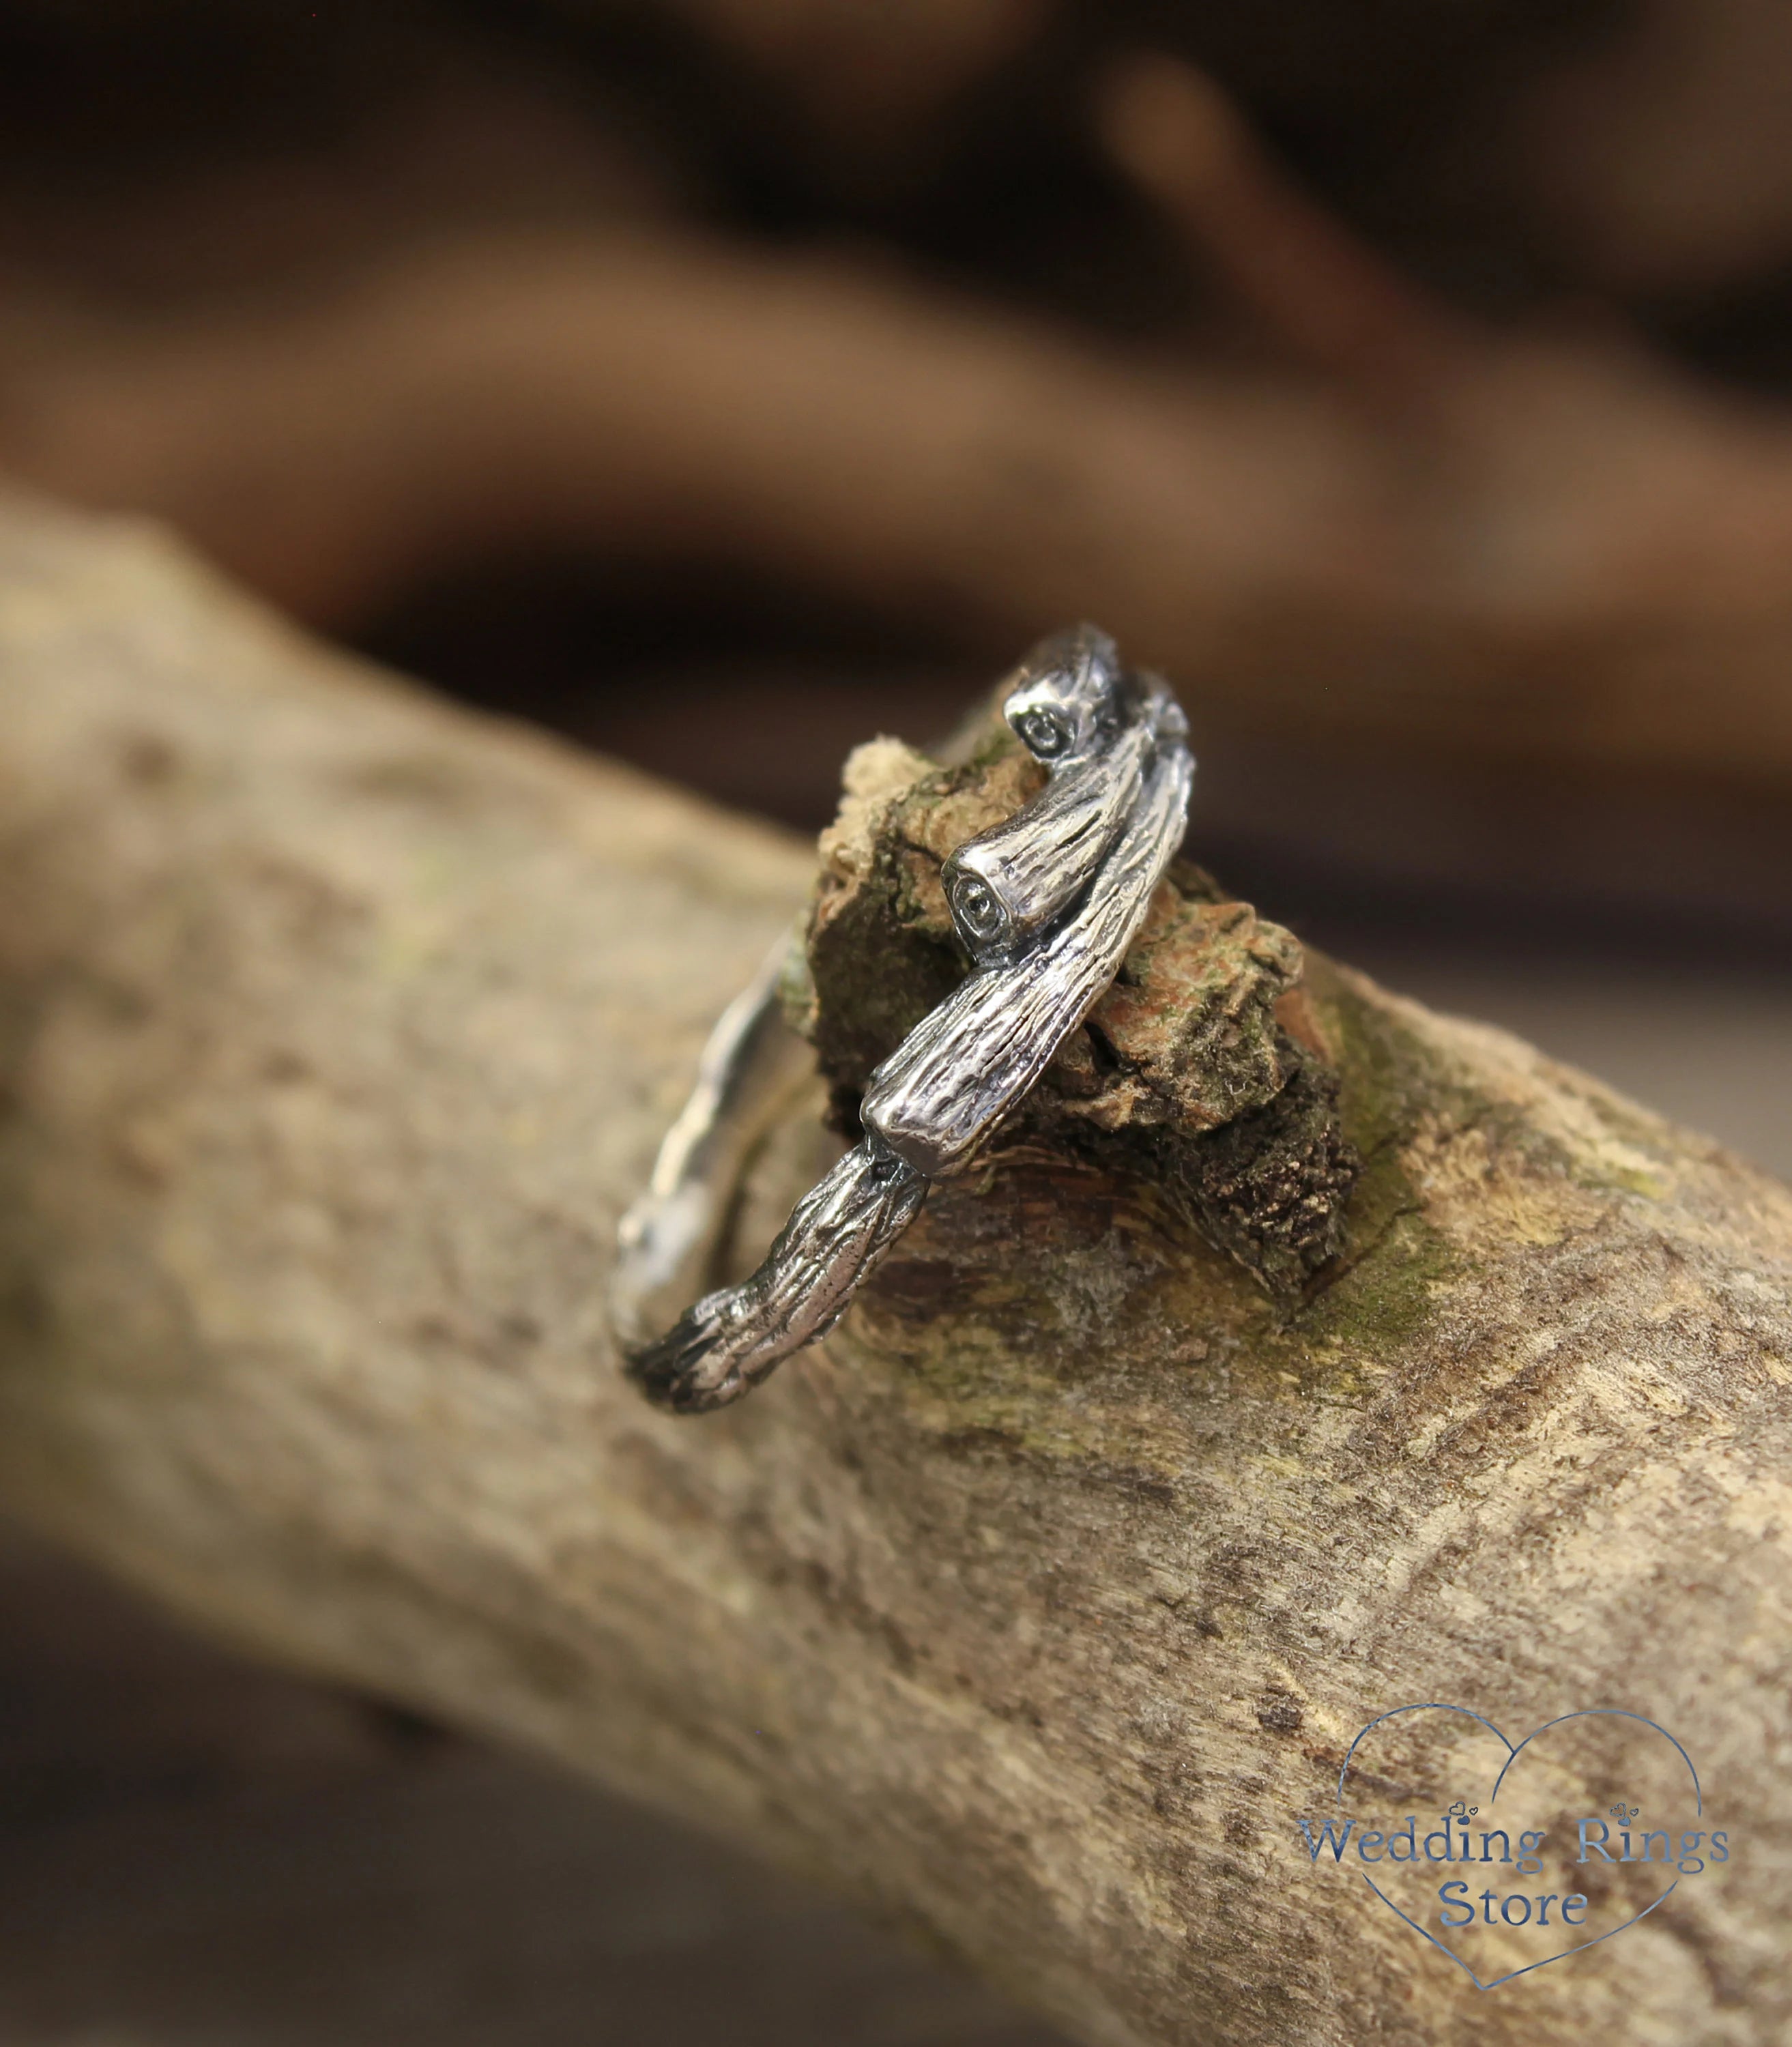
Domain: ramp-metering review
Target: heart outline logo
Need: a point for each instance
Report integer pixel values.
(1513, 1751)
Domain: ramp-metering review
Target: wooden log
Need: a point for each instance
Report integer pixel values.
(338, 1028)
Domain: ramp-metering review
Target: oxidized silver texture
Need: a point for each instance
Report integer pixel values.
(1047, 904)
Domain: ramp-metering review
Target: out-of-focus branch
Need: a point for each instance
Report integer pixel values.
(1528, 546)
(669, 396)
(1318, 291)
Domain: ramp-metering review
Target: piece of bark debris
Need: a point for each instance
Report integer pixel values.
(1201, 1071)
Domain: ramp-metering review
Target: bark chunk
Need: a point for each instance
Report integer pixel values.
(1201, 1071)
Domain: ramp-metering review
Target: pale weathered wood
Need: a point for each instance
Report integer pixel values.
(196, 1850)
(337, 1027)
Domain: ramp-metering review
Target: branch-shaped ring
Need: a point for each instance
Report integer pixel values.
(1047, 903)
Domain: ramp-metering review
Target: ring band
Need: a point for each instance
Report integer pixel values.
(1047, 903)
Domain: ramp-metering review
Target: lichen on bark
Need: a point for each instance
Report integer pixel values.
(1203, 1072)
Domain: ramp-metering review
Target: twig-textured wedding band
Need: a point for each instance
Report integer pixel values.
(1046, 904)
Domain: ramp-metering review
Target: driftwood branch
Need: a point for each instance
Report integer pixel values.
(337, 1027)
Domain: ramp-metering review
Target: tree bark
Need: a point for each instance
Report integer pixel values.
(337, 1027)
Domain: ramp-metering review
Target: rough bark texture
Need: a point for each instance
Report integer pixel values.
(337, 1027)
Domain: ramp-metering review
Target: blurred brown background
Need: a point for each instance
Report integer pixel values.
(722, 381)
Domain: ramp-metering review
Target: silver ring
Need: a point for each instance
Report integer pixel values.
(1046, 904)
